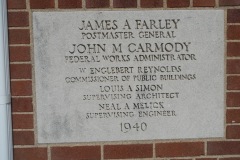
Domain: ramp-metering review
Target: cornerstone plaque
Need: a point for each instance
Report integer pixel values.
(129, 75)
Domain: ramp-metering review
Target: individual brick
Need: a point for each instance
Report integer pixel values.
(223, 148)
(18, 19)
(182, 159)
(233, 15)
(76, 153)
(178, 3)
(206, 158)
(30, 154)
(19, 54)
(19, 36)
(22, 105)
(97, 3)
(21, 88)
(233, 49)
(233, 132)
(21, 71)
(233, 99)
(233, 66)
(230, 158)
(69, 4)
(229, 2)
(233, 82)
(16, 4)
(151, 3)
(233, 32)
(233, 116)
(179, 149)
(203, 3)
(23, 138)
(22, 121)
(124, 4)
(43, 4)
(128, 151)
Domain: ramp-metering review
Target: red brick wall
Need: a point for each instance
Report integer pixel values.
(24, 129)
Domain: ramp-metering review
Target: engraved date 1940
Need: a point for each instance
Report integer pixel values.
(127, 127)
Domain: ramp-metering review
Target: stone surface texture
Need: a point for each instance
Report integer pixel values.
(195, 108)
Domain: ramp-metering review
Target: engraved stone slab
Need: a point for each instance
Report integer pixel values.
(129, 75)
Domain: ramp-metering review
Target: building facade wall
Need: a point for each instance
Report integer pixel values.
(23, 87)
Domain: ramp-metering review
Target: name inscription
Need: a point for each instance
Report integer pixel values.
(108, 76)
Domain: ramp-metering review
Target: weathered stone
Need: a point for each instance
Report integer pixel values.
(129, 75)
